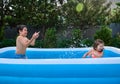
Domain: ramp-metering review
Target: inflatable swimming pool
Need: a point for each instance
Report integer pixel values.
(59, 66)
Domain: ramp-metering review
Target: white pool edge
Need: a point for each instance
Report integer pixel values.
(116, 50)
(115, 60)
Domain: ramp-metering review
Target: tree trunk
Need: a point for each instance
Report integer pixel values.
(2, 22)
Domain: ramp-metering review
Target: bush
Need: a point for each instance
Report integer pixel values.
(116, 41)
(64, 43)
(105, 34)
(38, 44)
(76, 38)
(86, 43)
(2, 33)
(7, 42)
(50, 38)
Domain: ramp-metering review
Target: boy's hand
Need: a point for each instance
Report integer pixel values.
(38, 32)
(35, 35)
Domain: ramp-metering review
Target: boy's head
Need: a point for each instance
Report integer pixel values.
(22, 30)
(98, 45)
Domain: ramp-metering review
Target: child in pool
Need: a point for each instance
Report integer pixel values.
(97, 50)
(22, 42)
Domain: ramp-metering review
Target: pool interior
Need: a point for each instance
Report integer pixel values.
(15, 73)
(69, 54)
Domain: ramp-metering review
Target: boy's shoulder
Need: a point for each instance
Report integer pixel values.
(18, 37)
(21, 37)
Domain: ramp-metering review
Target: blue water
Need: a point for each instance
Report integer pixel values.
(55, 54)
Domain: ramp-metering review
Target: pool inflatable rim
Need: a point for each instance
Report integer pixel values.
(110, 60)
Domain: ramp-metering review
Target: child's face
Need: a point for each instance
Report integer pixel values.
(100, 47)
(24, 32)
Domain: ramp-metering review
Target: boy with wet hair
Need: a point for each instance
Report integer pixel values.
(22, 42)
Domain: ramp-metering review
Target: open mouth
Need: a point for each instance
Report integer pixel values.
(101, 50)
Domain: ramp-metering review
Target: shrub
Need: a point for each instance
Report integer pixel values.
(76, 38)
(105, 34)
(7, 42)
(2, 33)
(116, 41)
(86, 43)
(64, 43)
(38, 44)
(50, 38)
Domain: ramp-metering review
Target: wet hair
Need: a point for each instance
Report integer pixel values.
(20, 27)
(97, 42)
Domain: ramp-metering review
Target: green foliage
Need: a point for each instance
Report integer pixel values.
(116, 41)
(93, 13)
(86, 43)
(38, 44)
(41, 14)
(115, 14)
(7, 42)
(1, 32)
(64, 43)
(50, 38)
(76, 38)
(46, 14)
(67, 43)
(74, 41)
(105, 34)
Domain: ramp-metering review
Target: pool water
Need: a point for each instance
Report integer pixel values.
(65, 53)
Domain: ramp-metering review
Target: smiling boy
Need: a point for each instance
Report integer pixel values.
(22, 42)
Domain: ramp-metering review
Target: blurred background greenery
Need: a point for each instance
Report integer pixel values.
(63, 23)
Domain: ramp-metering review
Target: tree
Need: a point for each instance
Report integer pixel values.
(105, 34)
(2, 22)
(41, 14)
(50, 38)
(93, 13)
(115, 14)
(76, 38)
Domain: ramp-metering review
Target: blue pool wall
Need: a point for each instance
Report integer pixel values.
(60, 71)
